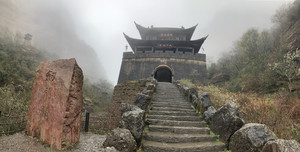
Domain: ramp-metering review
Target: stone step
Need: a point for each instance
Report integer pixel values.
(164, 91)
(169, 94)
(168, 97)
(171, 106)
(177, 118)
(171, 88)
(152, 146)
(167, 104)
(173, 113)
(176, 123)
(178, 138)
(179, 130)
(173, 109)
(170, 100)
(179, 103)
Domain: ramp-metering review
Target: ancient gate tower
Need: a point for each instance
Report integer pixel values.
(166, 54)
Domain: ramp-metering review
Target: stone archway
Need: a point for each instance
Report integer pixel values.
(163, 73)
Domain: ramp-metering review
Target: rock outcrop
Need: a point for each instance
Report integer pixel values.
(108, 149)
(251, 138)
(142, 101)
(192, 92)
(207, 115)
(56, 103)
(204, 97)
(281, 145)
(128, 107)
(121, 139)
(226, 121)
(133, 121)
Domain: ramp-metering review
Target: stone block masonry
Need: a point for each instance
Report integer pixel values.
(137, 66)
(126, 92)
(56, 103)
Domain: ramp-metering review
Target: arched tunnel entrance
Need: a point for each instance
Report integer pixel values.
(163, 74)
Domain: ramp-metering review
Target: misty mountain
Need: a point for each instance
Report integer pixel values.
(53, 31)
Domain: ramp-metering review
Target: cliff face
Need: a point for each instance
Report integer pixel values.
(53, 31)
(292, 36)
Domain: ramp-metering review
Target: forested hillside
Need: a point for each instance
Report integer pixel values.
(18, 62)
(52, 30)
(53, 36)
(264, 61)
(262, 74)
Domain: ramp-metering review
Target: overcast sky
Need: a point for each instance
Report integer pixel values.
(101, 23)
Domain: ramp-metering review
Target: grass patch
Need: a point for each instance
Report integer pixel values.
(213, 134)
(187, 83)
(279, 111)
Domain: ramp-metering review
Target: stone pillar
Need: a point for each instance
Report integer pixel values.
(56, 103)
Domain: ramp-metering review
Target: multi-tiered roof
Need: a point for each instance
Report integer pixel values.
(165, 39)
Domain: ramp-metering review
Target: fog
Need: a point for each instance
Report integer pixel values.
(101, 23)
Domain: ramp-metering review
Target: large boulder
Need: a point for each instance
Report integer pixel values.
(121, 139)
(108, 149)
(151, 86)
(250, 138)
(204, 97)
(56, 103)
(196, 102)
(207, 115)
(127, 107)
(281, 145)
(226, 121)
(133, 121)
(185, 91)
(148, 92)
(192, 92)
(142, 101)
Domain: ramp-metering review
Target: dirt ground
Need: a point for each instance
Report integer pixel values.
(19, 142)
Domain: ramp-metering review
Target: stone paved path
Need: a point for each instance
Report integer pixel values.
(20, 142)
(174, 125)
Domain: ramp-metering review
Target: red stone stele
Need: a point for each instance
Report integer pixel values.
(56, 103)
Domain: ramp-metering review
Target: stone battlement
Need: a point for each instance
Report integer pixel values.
(177, 55)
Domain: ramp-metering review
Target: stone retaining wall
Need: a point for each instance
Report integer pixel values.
(128, 136)
(126, 92)
(229, 125)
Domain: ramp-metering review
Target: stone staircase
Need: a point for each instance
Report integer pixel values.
(174, 126)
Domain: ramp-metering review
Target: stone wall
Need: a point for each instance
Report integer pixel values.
(127, 137)
(229, 125)
(126, 92)
(142, 65)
